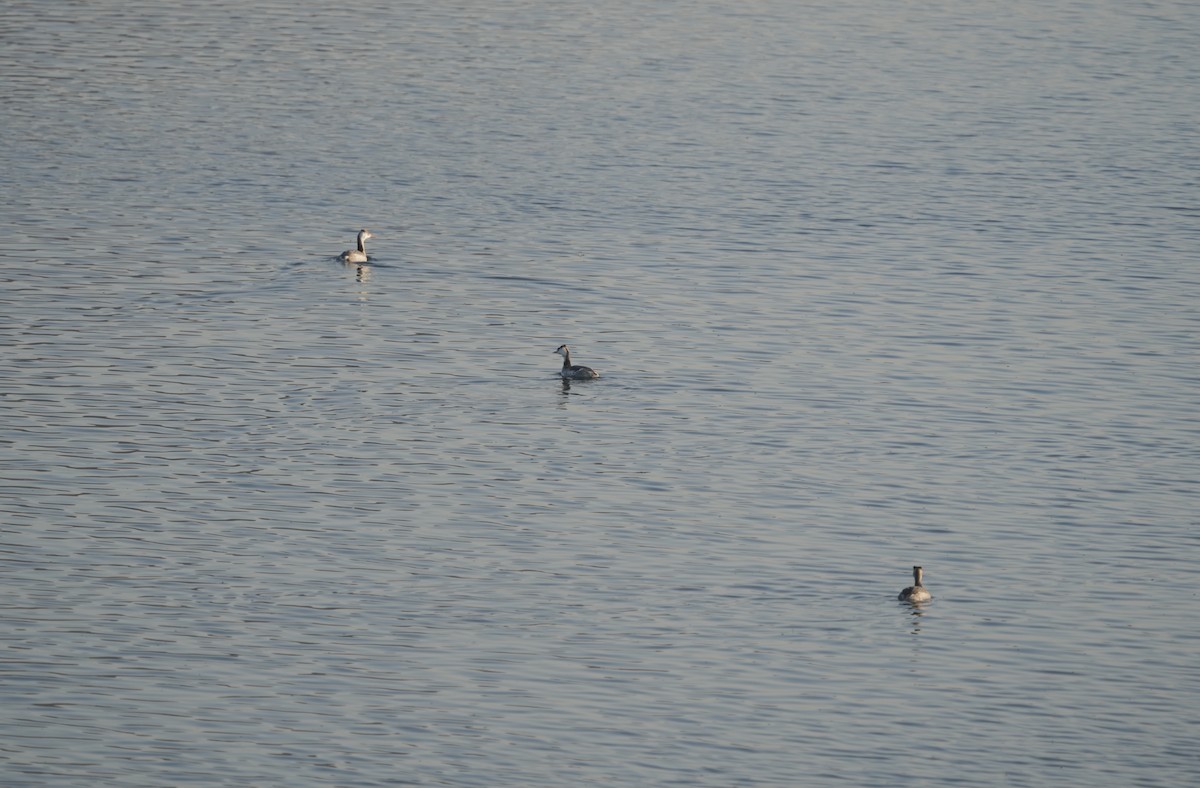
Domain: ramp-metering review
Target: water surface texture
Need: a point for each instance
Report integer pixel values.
(869, 285)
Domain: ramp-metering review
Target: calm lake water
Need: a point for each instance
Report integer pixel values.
(869, 285)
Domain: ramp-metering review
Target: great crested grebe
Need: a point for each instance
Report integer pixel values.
(358, 255)
(574, 371)
(917, 592)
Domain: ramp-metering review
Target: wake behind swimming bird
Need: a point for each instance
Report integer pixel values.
(574, 371)
(358, 255)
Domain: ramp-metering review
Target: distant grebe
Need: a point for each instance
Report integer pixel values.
(917, 592)
(574, 371)
(358, 255)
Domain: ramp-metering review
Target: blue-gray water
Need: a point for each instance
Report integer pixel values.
(870, 284)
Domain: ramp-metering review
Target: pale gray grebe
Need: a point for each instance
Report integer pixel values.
(358, 255)
(574, 371)
(917, 592)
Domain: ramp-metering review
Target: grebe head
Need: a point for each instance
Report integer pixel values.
(918, 576)
(563, 351)
(364, 234)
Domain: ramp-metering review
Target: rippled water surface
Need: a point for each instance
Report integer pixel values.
(869, 285)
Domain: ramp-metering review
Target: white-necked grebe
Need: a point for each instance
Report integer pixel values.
(917, 592)
(358, 255)
(574, 371)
